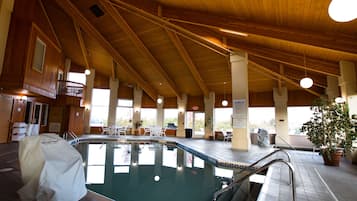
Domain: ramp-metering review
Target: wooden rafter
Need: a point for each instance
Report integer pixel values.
(292, 73)
(262, 68)
(77, 16)
(82, 45)
(313, 64)
(115, 70)
(333, 41)
(186, 57)
(50, 24)
(151, 16)
(321, 66)
(121, 22)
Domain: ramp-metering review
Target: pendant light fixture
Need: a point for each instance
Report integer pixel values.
(306, 82)
(224, 101)
(343, 10)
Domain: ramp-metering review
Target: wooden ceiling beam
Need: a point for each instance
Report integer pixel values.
(82, 45)
(50, 24)
(77, 16)
(292, 73)
(149, 11)
(187, 59)
(287, 80)
(287, 58)
(121, 22)
(332, 41)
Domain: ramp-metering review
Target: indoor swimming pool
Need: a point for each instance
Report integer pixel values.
(136, 171)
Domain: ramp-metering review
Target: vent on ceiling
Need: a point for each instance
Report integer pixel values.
(96, 10)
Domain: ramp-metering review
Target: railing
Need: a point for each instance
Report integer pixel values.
(260, 169)
(70, 88)
(267, 156)
(71, 134)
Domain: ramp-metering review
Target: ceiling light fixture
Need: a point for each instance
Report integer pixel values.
(343, 10)
(224, 101)
(234, 32)
(159, 100)
(306, 82)
(87, 72)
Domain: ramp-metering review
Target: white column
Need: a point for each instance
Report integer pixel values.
(181, 104)
(347, 80)
(209, 114)
(332, 90)
(6, 8)
(88, 100)
(160, 112)
(281, 116)
(138, 94)
(240, 96)
(113, 101)
(67, 68)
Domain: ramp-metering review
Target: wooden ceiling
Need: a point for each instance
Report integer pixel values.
(171, 47)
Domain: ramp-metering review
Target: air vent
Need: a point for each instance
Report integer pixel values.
(96, 10)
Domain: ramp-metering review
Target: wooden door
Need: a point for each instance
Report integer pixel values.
(76, 120)
(5, 115)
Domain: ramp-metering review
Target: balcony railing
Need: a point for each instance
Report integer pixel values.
(69, 88)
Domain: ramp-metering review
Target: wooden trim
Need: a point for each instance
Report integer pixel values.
(43, 35)
(186, 57)
(121, 22)
(50, 24)
(82, 44)
(77, 16)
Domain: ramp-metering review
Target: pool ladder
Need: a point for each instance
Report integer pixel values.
(262, 168)
(71, 134)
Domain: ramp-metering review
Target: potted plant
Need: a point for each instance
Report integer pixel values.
(330, 128)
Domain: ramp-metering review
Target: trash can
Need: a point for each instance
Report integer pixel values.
(188, 132)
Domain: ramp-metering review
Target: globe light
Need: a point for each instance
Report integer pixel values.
(87, 72)
(224, 103)
(306, 82)
(343, 10)
(159, 100)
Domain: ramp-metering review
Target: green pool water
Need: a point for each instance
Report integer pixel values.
(150, 172)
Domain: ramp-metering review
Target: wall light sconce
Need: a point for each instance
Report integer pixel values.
(87, 72)
(159, 100)
(181, 110)
(136, 109)
(21, 98)
(343, 10)
(340, 100)
(87, 107)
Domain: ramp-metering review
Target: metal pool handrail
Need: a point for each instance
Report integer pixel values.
(72, 134)
(267, 156)
(260, 169)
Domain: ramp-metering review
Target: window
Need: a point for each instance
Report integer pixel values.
(169, 156)
(100, 107)
(222, 118)
(96, 163)
(39, 55)
(124, 112)
(170, 116)
(148, 116)
(77, 77)
(296, 117)
(122, 158)
(262, 117)
(147, 154)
